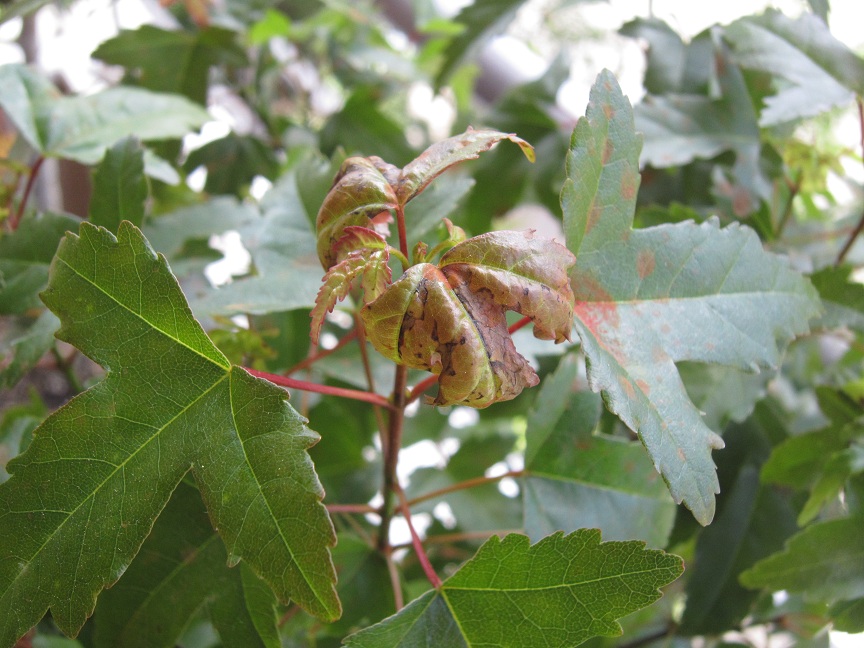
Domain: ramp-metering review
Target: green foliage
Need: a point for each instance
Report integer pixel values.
(511, 593)
(171, 495)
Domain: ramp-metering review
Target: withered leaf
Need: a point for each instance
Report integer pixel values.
(360, 192)
(360, 251)
(450, 319)
(366, 187)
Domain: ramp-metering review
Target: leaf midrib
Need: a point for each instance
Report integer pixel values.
(591, 581)
(226, 367)
(110, 476)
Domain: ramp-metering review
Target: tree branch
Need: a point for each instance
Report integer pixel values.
(292, 383)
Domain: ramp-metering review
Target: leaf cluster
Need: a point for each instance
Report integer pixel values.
(696, 429)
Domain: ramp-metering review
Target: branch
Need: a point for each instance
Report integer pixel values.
(860, 226)
(323, 353)
(463, 485)
(416, 541)
(28, 188)
(292, 383)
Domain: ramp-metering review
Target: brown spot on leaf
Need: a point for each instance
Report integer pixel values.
(627, 386)
(607, 151)
(608, 110)
(629, 183)
(643, 386)
(645, 262)
(593, 217)
(681, 455)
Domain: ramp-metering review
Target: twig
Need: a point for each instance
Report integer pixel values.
(468, 483)
(403, 236)
(351, 508)
(794, 188)
(391, 453)
(860, 226)
(292, 383)
(28, 188)
(395, 582)
(416, 541)
(323, 353)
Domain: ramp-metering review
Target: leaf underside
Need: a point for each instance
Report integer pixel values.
(84, 496)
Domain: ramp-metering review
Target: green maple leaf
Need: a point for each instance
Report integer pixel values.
(180, 568)
(646, 299)
(558, 592)
(84, 496)
(825, 562)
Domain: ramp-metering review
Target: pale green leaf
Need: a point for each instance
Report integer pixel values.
(83, 497)
(817, 71)
(558, 592)
(27, 349)
(646, 299)
(287, 272)
(679, 128)
(575, 479)
(824, 562)
(81, 128)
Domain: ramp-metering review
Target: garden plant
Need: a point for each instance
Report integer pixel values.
(633, 418)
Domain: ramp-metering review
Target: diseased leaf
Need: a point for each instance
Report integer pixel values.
(560, 591)
(451, 320)
(575, 479)
(360, 252)
(181, 568)
(442, 155)
(646, 299)
(367, 187)
(824, 562)
(83, 497)
(818, 72)
(119, 186)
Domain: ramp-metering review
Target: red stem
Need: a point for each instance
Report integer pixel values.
(28, 188)
(518, 325)
(416, 541)
(351, 508)
(463, 485)
(323, 353)
(403, 235)
(292, 383)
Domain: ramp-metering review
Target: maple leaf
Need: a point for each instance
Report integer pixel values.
(559, 592)
(646, 299)
(367, 187)
(450, 319)
(84, 495)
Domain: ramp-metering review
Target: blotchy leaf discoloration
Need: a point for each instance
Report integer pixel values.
(450, 320)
